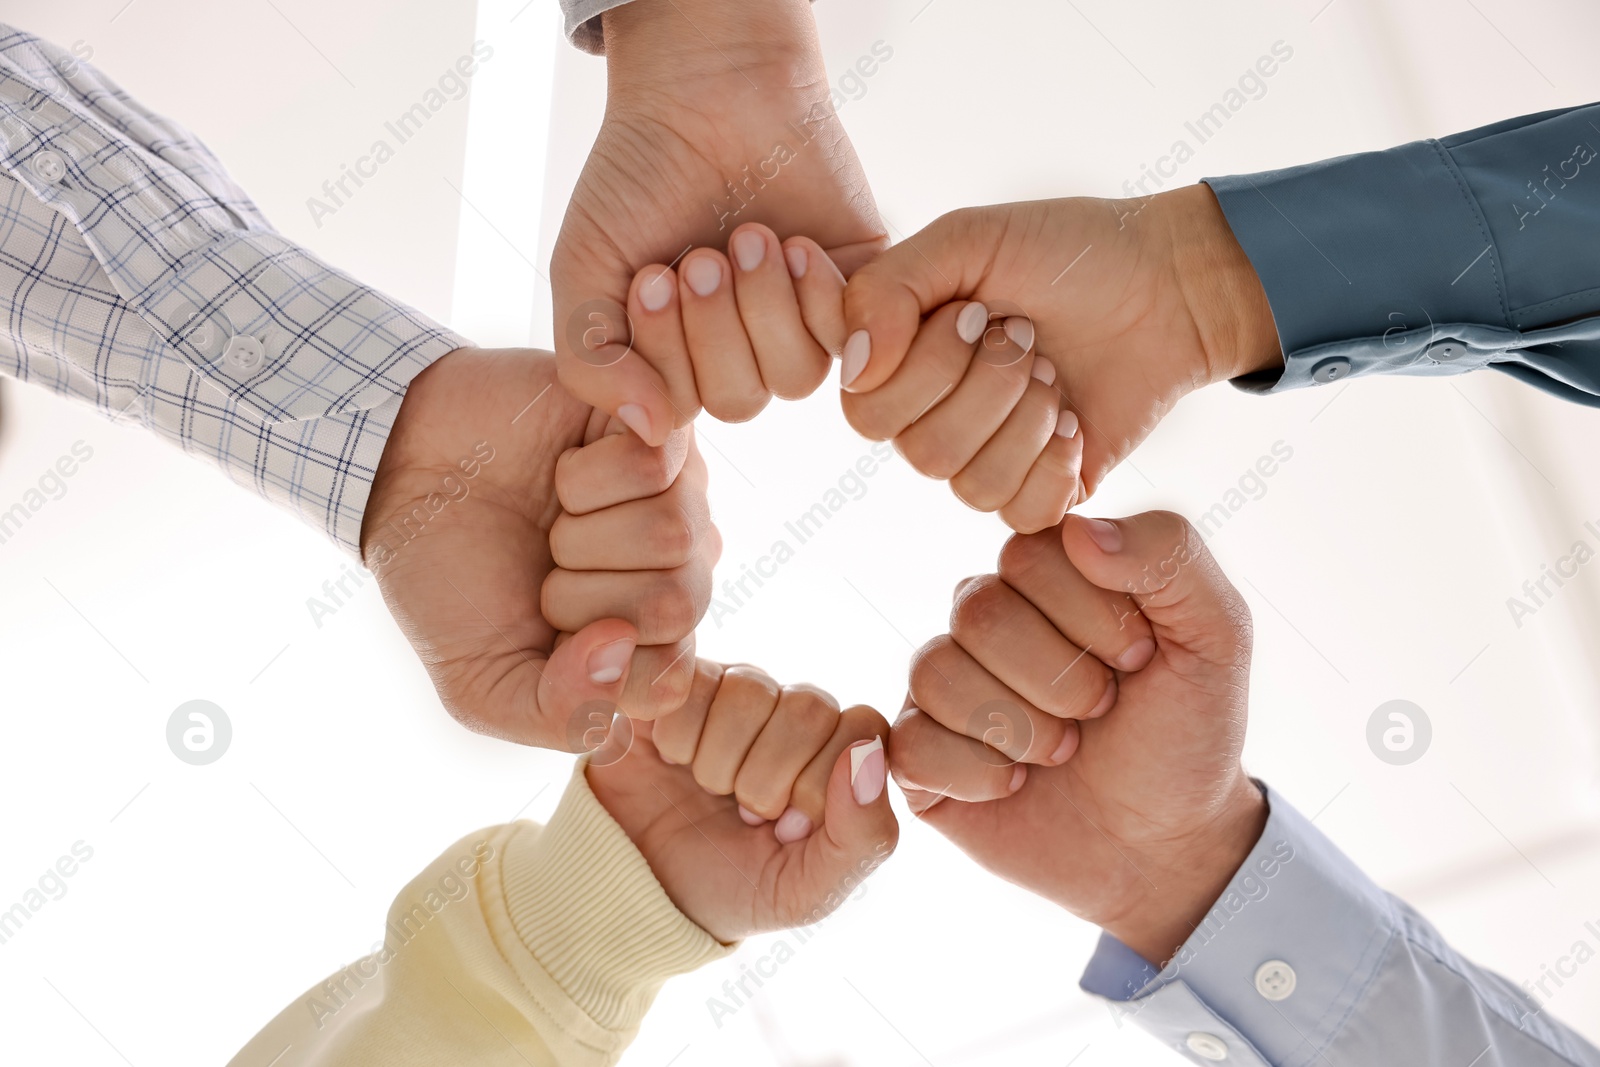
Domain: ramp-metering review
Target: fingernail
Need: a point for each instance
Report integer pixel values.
(792, 825)
(1020, 329)
(1018, 776)
(1064, 751)
(1108, 698)
(636, 418)
(607, 662)
(749, 249)
(750, 818)
(1138, 654)
(970, 323)
(704, 274)
(1067, 423)
(1103, 534)
(857, 349)
(656, 291)
(867, 771)
(796, 258)
(1044, 370)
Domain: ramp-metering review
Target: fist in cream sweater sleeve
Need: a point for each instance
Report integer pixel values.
(545, 945)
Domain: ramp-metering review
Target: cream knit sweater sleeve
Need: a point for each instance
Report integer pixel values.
(520, 945)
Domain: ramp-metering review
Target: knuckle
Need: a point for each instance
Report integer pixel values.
(982, 607)
(932, 665)
(670, 537)
(1178, 532)
(710, 779)
(1080, 690)
(1023, 554)
(654, 469)
(749, 690)
(1026, 521)
(761, 793)
(1241, 622)
(561, 541)
(672, 609)
(863, 416)
(814, 711)
(669, 690)
(930, 454)
(977, 492)
(1062, 462)
(740, 405)
(568, 483)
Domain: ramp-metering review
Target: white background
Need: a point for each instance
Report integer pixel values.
(1378, 561)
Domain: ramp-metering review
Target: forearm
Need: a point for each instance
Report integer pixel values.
(1178, 892)
(1302, 949)
(157, 293)
(669, 44)
(521, 945)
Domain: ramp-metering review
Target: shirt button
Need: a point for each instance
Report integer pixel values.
(1207, 1046)
(1330, 370)
(48, 166)
(243, 353)
(1275, 980)
(1445, 351)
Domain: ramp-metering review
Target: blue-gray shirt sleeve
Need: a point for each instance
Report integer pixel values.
(1436, 257)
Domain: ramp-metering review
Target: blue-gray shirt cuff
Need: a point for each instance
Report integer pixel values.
(1436, 257)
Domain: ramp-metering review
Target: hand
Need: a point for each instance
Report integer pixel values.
(1143, 825)
(717, 114)
(1162, 301)
(732, 878)
(457, 531)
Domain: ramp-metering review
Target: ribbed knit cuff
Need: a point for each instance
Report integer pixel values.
(585, 903)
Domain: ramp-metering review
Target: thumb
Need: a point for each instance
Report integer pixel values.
(859, 830)
(1159, 560)
(886, 299)
(581, 684)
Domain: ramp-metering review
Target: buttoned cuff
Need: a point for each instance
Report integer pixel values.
(286, 372)
(1276, 966)
(592, 916)
(1422, 259)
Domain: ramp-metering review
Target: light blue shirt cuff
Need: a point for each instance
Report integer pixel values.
(1304, 961)
(1297, 906)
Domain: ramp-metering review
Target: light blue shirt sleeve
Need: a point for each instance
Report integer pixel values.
(1303, 960)
(1437, 257)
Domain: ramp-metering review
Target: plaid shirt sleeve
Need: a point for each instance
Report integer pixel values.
(135, 275)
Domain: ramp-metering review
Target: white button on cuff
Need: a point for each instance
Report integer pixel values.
(1207, 1046)
(1445, 351)
(48, 166)
(243, 353)
(1275, 980)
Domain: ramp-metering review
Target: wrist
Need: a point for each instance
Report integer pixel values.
(657, 44)
(1184, 886)
(1220, 286)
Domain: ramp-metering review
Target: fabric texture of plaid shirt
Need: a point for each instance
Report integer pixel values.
(136, 275)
